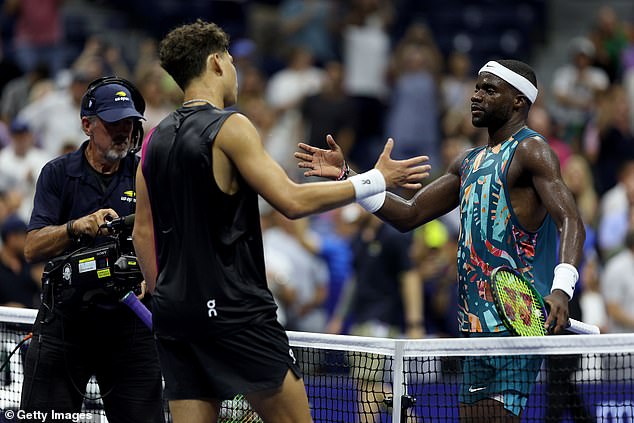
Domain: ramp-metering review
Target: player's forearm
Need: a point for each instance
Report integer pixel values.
(304, 199)
(399, 212)
(573, 236)
(45, 243)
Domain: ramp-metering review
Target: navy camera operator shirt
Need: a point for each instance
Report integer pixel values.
(68, 188)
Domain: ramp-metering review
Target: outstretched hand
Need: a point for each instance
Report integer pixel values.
(319, 161)
(329, 164)
(402, 173)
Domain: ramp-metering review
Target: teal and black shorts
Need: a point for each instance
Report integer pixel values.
(509, 379)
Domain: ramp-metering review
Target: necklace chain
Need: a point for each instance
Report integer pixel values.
(198, 100)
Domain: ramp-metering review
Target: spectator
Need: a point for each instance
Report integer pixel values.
(308, 24)
(578, 177)
(38, 33)
(285, 92)
(332, 244)
(575, 87)
(591, 301)
(617, 286)
(610, 40)
(414, 90)
(616, 138)
(540, 120)
(457, 84)
(331, 111)
(16, 94)
(22, 162)
(279, 276)
(615, 199)
(614, 224)
(365, 57)
(156, 101)
(309, 273)
(107, 55)
(434, 255)
(383, 299)
(20, 282)
(53, 118)
(251, 86)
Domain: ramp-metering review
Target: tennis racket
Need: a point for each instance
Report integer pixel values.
(522, 308)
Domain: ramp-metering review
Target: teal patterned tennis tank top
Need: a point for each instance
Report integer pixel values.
(491, 235)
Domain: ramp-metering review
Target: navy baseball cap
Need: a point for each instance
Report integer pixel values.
(111, 102)
(18, 126)
(12, 224)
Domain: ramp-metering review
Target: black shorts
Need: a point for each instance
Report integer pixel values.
(250, 360)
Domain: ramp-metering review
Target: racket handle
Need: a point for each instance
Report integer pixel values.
(582, 328)
(131, 300)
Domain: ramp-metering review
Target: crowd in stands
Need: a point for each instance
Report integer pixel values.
(360, 71)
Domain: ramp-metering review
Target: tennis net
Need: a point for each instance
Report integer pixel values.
(358, 379)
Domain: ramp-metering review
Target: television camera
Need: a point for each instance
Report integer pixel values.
(96, 274)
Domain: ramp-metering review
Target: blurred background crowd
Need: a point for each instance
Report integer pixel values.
(361, 70)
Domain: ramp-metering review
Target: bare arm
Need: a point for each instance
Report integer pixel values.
(143, 232)
(50, 241)
(434, 200)
(540, 161)
(240, 142)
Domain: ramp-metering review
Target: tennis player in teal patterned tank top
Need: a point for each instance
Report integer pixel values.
(491, 234)
(512, 202)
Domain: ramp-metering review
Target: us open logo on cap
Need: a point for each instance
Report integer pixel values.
(121, 96)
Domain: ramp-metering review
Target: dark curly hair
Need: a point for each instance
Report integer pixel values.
(184, 50)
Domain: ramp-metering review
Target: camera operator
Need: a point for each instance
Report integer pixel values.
(76, 195)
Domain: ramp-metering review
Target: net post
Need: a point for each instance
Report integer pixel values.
(398, 381)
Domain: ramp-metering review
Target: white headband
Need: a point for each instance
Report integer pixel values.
(525, 86)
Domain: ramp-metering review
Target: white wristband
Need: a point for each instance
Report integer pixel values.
(367, 184)
(373, 203)
(566, 277)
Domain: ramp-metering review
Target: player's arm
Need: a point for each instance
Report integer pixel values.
(434, 200)
(541, 162)
(143, 232)
(240, 142)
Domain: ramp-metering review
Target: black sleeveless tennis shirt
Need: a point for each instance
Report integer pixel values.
(211, 277)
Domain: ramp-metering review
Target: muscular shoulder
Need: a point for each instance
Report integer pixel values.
(237, 134)
(535, 154)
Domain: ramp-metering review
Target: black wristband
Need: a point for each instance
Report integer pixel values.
(69, 229)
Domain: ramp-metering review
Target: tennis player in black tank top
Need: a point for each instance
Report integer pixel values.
(198, 239)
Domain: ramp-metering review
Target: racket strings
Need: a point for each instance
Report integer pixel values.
(519, 305)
